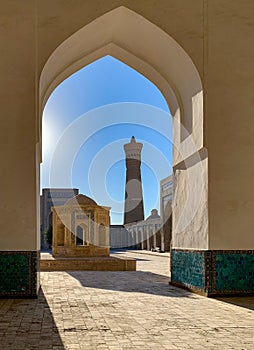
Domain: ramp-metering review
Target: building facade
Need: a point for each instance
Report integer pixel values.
(147, 234)
(49, 198)
(166, 202)
(80, 228)
(119, 237)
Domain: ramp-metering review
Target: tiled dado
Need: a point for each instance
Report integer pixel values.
(19, 274)
(214, 272)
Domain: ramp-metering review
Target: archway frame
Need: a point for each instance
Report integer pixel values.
(153, 53)
(132, 39)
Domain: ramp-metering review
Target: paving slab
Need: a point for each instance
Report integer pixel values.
(123, 310)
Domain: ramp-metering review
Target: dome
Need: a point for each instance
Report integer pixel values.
(80, 199)
(154, 215)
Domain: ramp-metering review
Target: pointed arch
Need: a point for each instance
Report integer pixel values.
(153, 53)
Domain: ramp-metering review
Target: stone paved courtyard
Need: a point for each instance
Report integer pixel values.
(124, 310)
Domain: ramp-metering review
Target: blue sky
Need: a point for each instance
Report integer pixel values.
(87, 120)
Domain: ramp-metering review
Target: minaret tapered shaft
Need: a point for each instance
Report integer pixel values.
(134, 207)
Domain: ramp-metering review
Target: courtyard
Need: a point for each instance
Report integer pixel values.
(124, 310)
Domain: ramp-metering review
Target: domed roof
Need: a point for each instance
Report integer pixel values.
(80, 199)
(154, 215)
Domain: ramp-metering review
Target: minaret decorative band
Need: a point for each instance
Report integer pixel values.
(134, 207)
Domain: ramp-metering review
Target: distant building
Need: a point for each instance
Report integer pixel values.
(166, 192)
(118, 237)
(145, 234)
(152, 233)
(166, 198)
(80, 228)
(52, 197)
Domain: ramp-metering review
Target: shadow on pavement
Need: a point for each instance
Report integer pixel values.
(131, 281)
(246, 302)
(28, 324)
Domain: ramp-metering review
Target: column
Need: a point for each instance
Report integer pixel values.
(162, 239)
(147, 237)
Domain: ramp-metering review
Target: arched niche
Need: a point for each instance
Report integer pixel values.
(82, 235)
(137, 42)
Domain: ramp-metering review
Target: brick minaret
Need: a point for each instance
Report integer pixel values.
(133, 207)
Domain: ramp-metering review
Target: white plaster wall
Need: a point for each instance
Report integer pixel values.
(230, 123)
(18, 204)
(190, 206)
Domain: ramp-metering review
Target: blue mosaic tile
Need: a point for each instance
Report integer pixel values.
(234, 272)
(187, 268)
(214, 272)
(19, 274)
(13, 273)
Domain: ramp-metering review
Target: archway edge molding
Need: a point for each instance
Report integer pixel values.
(153, 53)
(121, 54)
(82, 224)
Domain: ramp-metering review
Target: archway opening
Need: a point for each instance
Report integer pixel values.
(82, 237)
(97, 168)
(167, 66)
